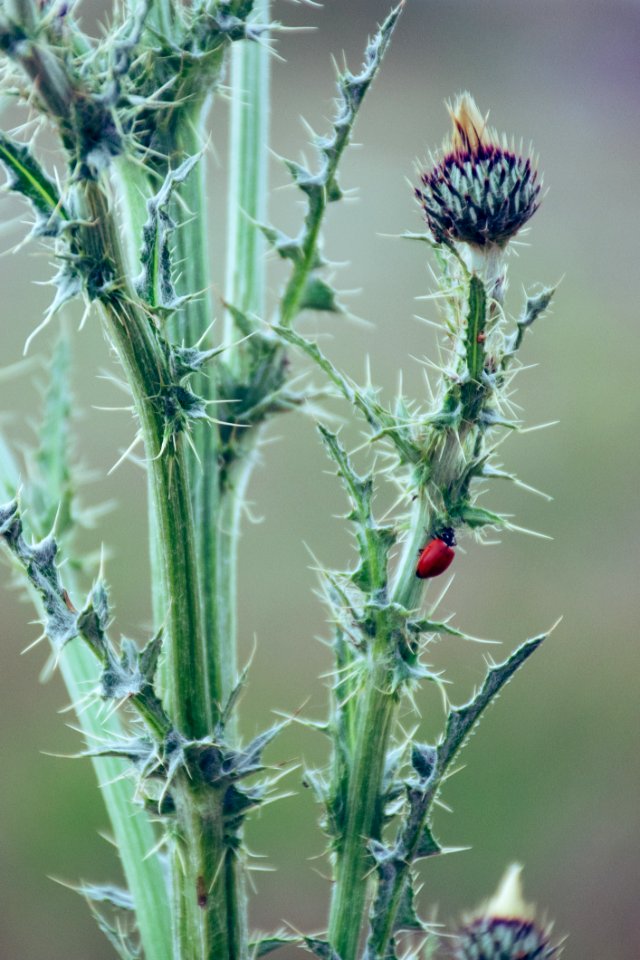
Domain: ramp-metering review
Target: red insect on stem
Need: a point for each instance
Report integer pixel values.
(437, 556)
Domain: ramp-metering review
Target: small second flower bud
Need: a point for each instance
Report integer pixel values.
(505, 928)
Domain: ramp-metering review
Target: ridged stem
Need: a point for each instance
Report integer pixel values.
(194, 319)
(248, 178)
(133, 336)
(200, 931)
(376, 709)
(134, 189)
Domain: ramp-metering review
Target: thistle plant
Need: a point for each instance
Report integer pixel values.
(125, 212)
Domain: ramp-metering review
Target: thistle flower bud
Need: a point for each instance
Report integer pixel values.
(481, 191)
(505, 928)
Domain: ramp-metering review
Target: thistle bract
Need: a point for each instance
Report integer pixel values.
(482, 191)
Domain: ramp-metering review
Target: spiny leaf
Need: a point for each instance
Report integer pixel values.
(249, 760)
(534, 307)
(320, 948)
(475, 517)
(94, 619)
(422, 626)
(351, 92)
(40, 567)
(415, 839)
(266, 945)
(119, 940)
(106, 893)
(384, 424)
(374, 541)
(289, 248)
(393, 909)
(461, 720)
(321, 187)
(155, 283)
(319, 295)
(406, 917)
(27, 177)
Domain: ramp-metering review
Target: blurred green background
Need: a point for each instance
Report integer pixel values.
(552, 778)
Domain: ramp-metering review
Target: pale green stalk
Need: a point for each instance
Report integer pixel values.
(244, 289)
(248, 177)
(133, 834)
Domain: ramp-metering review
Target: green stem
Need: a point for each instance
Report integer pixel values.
(374, 718)
(408, 589)
(135, 188)
(363, 813)
(227, 534)
(200, 929)
(147, 373)
(248, 179)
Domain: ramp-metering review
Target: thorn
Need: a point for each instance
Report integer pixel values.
(136, 440)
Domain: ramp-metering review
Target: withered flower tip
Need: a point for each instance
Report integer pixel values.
(481, 191)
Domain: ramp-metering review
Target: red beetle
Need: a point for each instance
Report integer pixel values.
(437, 556)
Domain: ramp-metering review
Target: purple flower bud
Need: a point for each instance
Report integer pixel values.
(481, 191)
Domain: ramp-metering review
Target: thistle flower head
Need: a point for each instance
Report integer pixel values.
(505, 928)
(481, 191)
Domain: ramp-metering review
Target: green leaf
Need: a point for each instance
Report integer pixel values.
(319, 295)
(534, 307)
(266, 945)
(27, 177)
(320, 948)
(476, 322)
(106, 893)
(476, 517)
(374, 541)
(321, 187)
(155, 283)
(461, 720)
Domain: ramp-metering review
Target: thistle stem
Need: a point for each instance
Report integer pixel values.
(363, 813)
(134, 339)
(248, 180)
(200, 930)
(194, 319)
